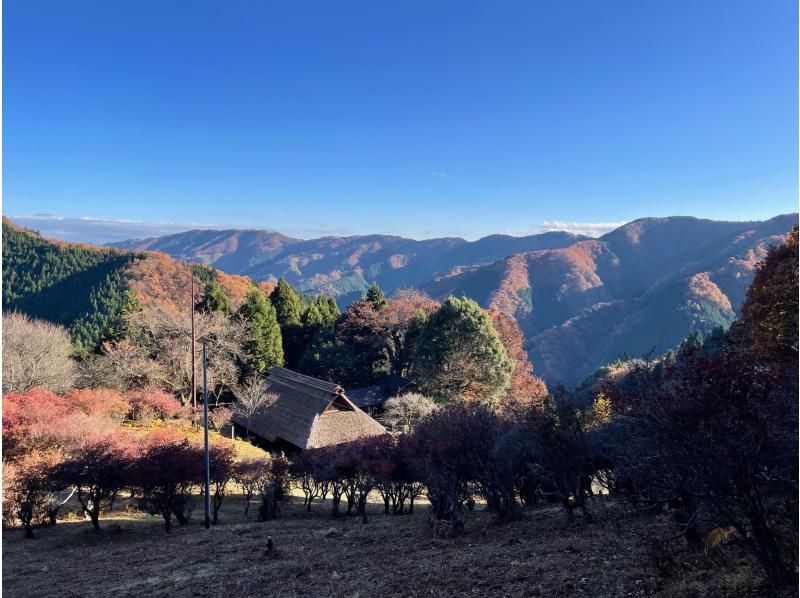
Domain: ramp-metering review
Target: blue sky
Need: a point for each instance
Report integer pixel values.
(414, 118)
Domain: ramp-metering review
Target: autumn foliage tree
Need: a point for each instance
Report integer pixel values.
(459, 356)
(166, 469)
(716, 431)
(98, 469)
(524, 389)
(38, 420)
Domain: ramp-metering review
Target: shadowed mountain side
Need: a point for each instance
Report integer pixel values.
(642, 287)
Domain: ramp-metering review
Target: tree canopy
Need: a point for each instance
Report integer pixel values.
(459, 356)
(263, 346)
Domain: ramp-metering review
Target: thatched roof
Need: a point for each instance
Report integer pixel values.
(309, 413)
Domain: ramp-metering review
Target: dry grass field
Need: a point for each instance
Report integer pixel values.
(389, 556)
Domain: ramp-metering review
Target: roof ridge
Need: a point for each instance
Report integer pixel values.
(282, 374)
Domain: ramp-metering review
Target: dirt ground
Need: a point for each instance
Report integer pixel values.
(389, 556)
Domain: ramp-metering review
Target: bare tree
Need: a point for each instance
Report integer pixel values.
(402, 413)
(159, 352)
(252, 395)
(35, 353)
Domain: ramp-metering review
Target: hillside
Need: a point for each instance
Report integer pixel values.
(340, 266)
(580, 302)
(87, 289)
(642, 287)
(322, 557)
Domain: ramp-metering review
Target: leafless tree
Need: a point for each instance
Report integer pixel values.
(159, 352)
(403, 412)
(35, 353)
(252, 395)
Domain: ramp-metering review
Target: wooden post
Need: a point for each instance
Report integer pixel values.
(205, 447)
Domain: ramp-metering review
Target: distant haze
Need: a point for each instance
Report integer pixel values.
(101, 231)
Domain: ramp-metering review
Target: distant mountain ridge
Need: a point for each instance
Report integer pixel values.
(580, 302)
(340, 266)
(642, 287)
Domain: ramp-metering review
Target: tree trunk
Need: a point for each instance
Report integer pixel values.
(167, 521)
(94, 515)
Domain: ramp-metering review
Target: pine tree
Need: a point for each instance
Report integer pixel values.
(215, 298)
(263, 346)
(375, 296)
(459, 355)
(287, 303)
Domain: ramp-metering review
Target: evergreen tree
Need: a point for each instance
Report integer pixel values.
(375, 296)
(287, 303)
(289, 310)
(215, 298)
(459, 355)
(322, 312)
(263, 347)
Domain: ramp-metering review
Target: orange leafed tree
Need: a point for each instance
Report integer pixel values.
(525, 388)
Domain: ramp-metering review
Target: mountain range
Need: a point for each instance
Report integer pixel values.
(581, 302)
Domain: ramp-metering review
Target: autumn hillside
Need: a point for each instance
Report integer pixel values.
(88, 289)
(641, 288)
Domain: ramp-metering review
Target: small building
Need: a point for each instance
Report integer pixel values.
(309, 413)
(372, 398)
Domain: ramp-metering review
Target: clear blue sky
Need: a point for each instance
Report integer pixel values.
(416, 118)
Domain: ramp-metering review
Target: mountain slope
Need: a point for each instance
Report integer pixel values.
(341, 266)
(579, 302)
(87, 289)
(643, 287)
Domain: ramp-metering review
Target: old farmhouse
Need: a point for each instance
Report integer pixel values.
(309, 413)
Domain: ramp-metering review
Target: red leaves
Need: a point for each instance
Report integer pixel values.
(148, 404)
(34, 420)
(104, 402)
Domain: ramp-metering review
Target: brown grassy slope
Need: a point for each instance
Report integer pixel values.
(389, 556)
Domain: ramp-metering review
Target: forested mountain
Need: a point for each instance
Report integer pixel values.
(341, 266)
(642, 287)
(580, 302)
(88, 289)
(80, 287)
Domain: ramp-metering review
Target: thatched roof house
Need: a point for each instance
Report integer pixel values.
(309, 413)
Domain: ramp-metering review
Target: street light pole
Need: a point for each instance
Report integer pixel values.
(206, 461)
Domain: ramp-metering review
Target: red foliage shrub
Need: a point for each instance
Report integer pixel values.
(98, 470)
(26, 485)
(251, 475)
(219, 417)
(166, 469)
(34, 420)
(148, 404)
(103, 402)
(222, 468)
(275, 489)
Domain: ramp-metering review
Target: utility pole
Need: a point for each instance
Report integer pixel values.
(206, 459)
(194, 347)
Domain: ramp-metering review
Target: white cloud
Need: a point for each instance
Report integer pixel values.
(590, 229)
(441, 175)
